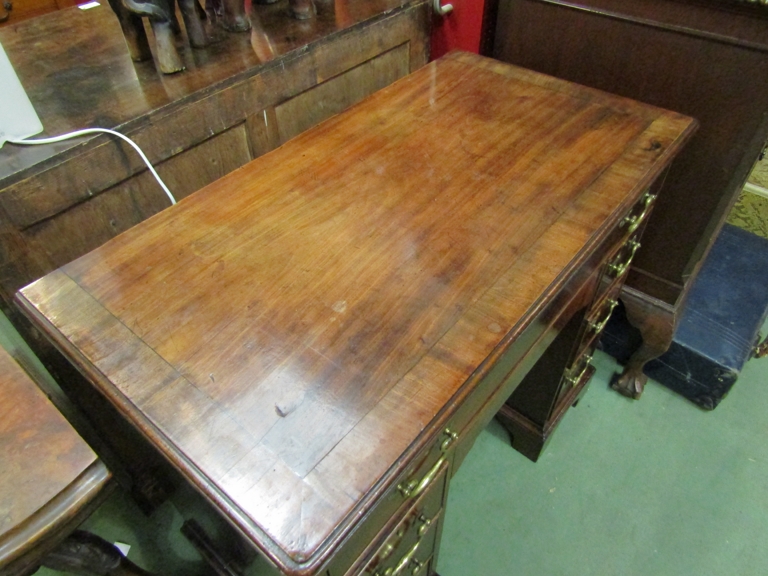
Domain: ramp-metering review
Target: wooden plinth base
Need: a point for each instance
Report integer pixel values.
(528, 437)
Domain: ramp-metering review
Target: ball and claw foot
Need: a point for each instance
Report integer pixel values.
(630, 383)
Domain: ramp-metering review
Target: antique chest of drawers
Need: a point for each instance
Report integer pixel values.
(704, 58)
(314, 341)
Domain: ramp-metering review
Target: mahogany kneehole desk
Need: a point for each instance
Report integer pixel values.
(315, 340)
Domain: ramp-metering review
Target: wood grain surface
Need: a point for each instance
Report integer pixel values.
(48, 474)
(244, 96)
(292, 334)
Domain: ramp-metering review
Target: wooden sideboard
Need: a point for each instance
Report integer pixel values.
(238, 98)
(705, 58)
(313, 342)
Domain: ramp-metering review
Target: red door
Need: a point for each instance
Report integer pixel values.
(460, 28)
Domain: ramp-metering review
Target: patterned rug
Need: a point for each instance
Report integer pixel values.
(751, 210)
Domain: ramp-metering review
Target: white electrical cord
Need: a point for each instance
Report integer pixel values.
(87, 131)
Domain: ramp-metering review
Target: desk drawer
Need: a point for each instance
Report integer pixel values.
(579, 371)
(639, 214)
(419, 491)
(615, 269)
(530, 376)
(410, 545)
(622, 244)
(597, 319)
(561, 371)
(529, 373)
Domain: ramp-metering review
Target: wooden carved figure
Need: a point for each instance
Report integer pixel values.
(303, 9)
(162, 17)
(229, 14)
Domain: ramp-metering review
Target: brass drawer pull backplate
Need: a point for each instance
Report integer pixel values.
(574, 379)
(634, 221)
(619, 268)
(413, 488)
(597, 326)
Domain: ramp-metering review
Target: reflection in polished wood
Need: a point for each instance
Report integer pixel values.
(95, 83)
(165, 27)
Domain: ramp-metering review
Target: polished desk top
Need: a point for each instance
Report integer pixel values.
(292, 334)
(75, 67)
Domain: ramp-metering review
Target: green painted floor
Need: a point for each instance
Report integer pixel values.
(632, 488)
(627, 488)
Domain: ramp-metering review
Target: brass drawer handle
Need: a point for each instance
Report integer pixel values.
(417, 566)
(635, 221)
(403, 563)
(441, 10)
(573, 380)
(619, 269)
(448, 442)
(598, 326)
(413, 488)
(425, 525)
(386, 551)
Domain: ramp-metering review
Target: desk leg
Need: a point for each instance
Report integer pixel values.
(85, 553)
(656, 321)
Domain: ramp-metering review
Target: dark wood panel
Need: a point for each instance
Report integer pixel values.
(89, 224)
(196, 167)
(658, 53)
(263, 133)
(337, 94)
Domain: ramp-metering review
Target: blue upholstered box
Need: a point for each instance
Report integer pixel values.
(718, 329)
